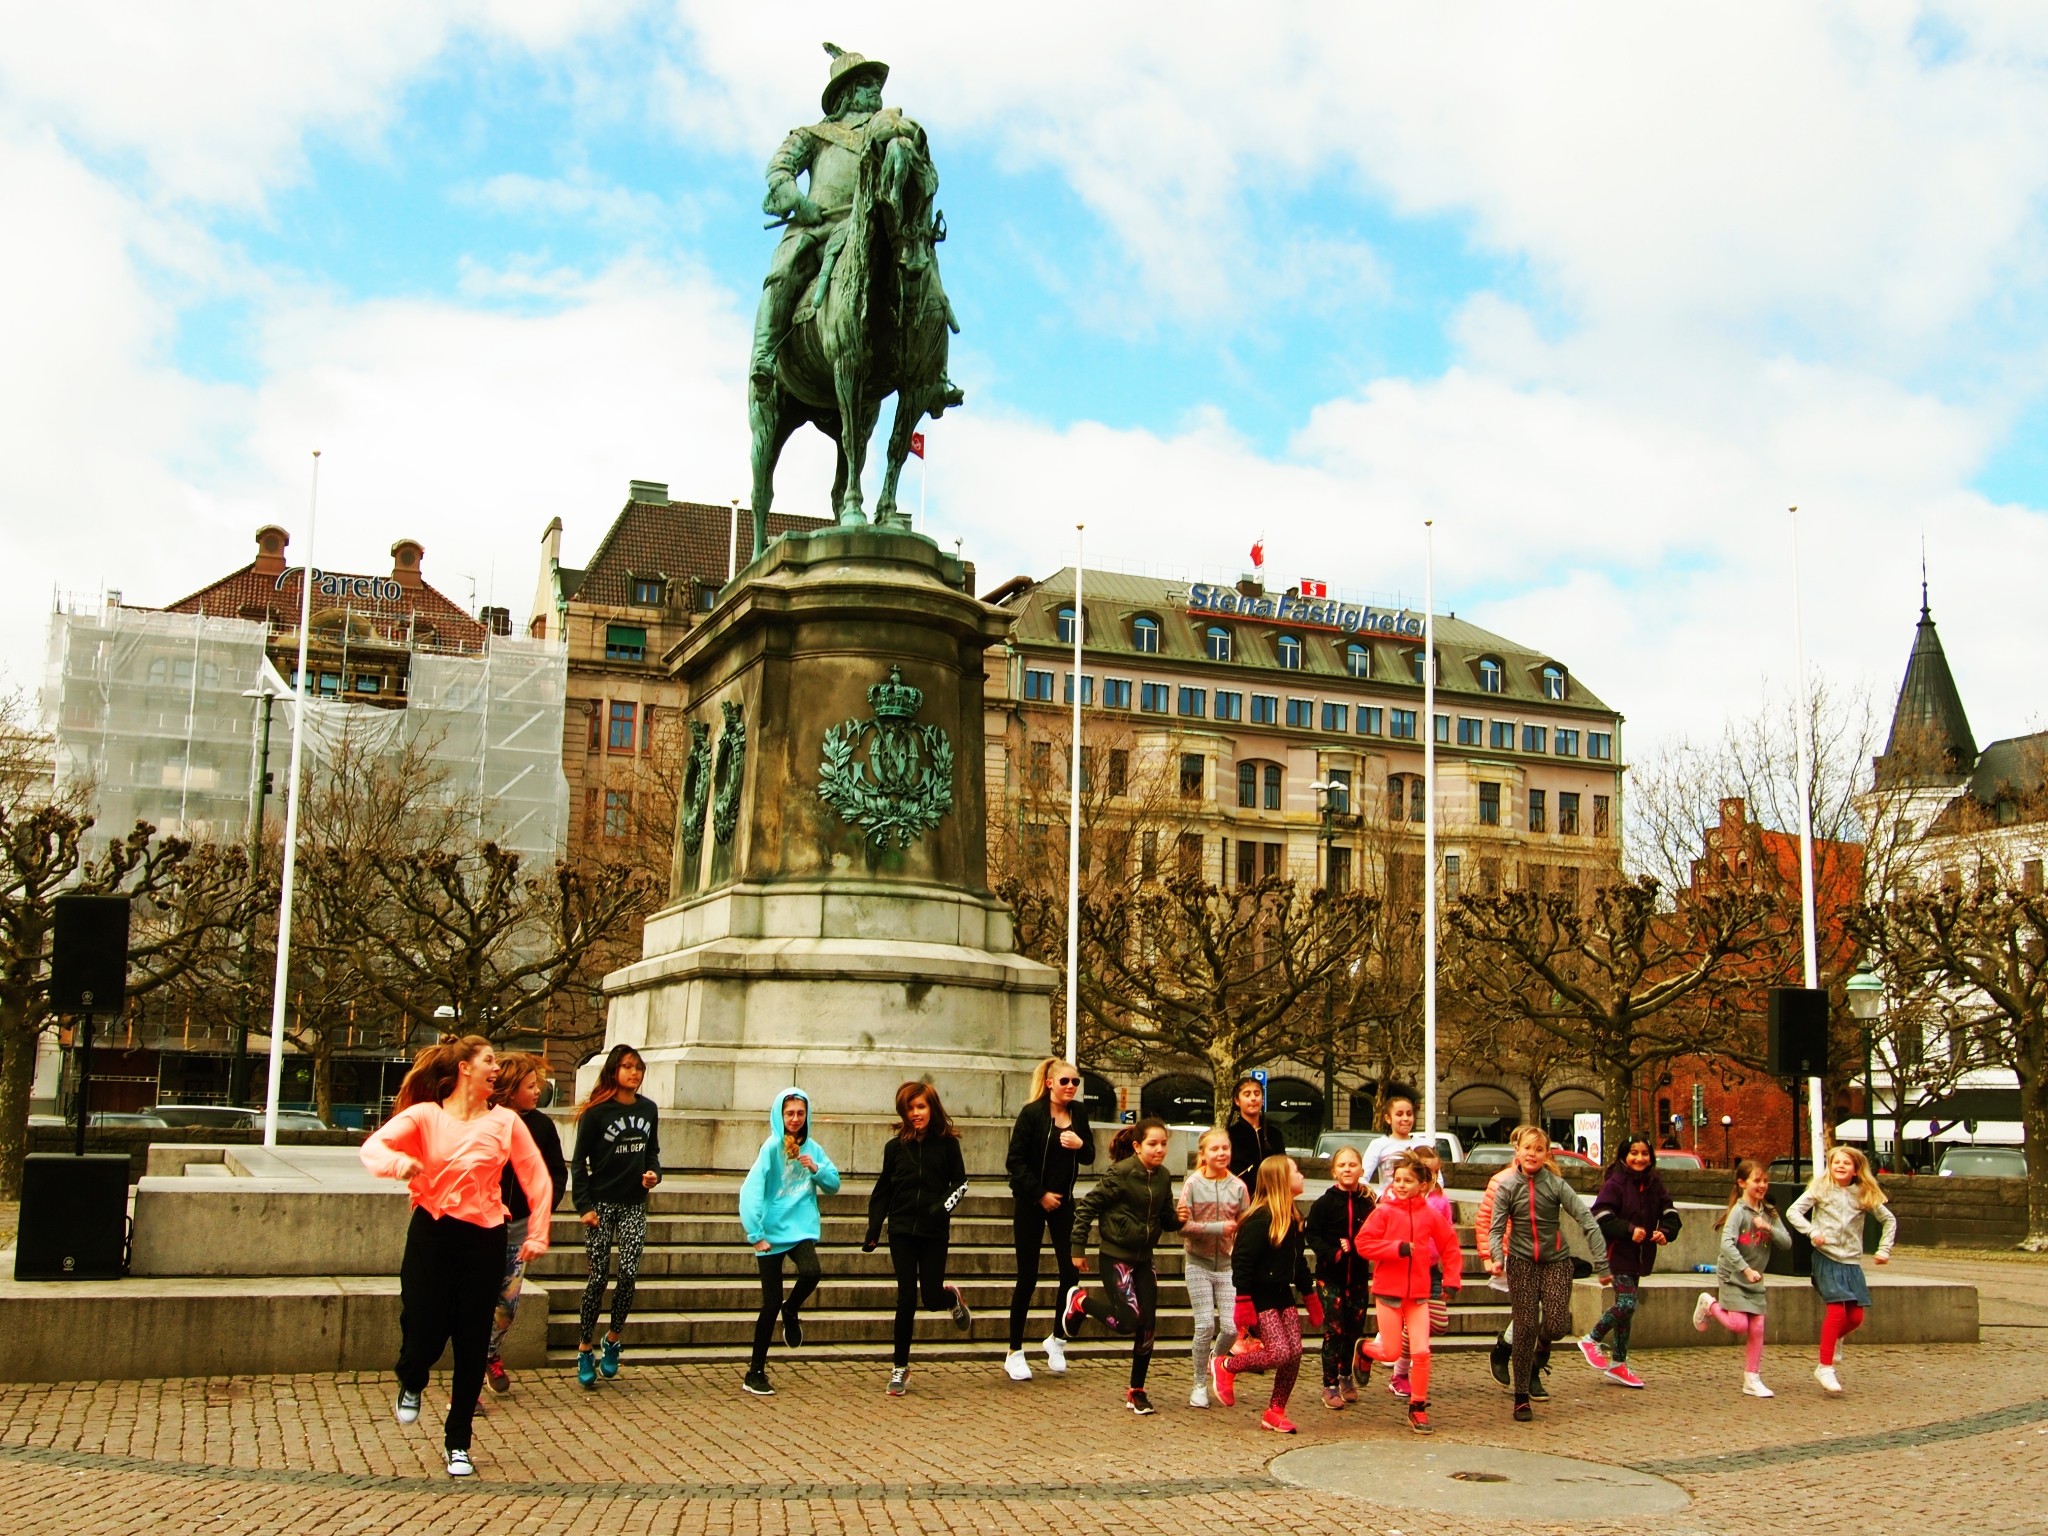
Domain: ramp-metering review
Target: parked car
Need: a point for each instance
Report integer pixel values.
(1491, 1155)
(1569, 1158)
(1983, 1163)
(224, 1116)
(114, 1117)
(1688, 1161)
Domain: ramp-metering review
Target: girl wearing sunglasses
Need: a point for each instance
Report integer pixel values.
(1048, 1148)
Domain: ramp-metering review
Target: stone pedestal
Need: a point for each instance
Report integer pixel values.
(830, 923)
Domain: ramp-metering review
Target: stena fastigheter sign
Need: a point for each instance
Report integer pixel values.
(1350, 617)
(378, 589)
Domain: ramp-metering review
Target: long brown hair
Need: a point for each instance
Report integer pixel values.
(940, 1124)
(436, 1070)
(1274, 1194)
(513, 1071)
(607, 1086)
(1744, 1168)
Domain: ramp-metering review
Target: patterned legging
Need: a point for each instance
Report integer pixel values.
(1347, 1318)
(625, 1225)
(1279, 1351)
(1130, 1307)
(1618, 1318)
(1541, 1298)
(508, 1293)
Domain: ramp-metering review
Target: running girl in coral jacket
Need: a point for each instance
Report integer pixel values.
(1403, 1238)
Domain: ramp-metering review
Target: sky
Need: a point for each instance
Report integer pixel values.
(1600, 293)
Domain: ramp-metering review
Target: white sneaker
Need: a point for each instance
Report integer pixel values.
(1016, 1367)
(1829, 1381)
(1199, 1398)
(459, 1464)
(1055, 1353)
(408, 1407)
(1700, 1309)
(1753, 1386)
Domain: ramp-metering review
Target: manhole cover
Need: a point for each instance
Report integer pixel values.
(1478, 1481)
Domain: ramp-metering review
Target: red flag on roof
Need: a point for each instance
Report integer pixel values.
(1310, 587)
(917, 444)
(1259, 555)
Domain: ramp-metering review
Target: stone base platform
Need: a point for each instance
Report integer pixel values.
(1904, 1310)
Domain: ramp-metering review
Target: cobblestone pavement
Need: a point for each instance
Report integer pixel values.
(1952, 1439)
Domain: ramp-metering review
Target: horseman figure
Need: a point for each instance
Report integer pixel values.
(852, 309)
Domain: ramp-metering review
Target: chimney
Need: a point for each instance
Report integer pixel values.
(270, 543)
(654, 492)
(497, 620)
(405, 562)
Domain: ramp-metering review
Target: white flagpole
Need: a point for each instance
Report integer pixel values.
(280, 989)
(1429, 827)
(924, 469)
(1074, 824)
(1815, 1132)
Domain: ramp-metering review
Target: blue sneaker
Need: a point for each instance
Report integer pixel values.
(610, 1363)
(586, 1368)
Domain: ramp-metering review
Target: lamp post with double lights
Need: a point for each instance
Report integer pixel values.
(1866, 1006)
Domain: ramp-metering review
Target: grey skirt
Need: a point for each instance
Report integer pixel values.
(1839, 1282)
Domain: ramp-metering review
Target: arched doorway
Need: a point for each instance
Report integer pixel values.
(1482, 1112)
(1560, 1104)
(1296, 1106)
(1179, 1098)
(1099, 1098)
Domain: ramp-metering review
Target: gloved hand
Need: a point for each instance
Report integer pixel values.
(1313, 1306)
(1245, 1316)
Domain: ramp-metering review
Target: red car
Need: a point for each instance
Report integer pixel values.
(1566, 1155)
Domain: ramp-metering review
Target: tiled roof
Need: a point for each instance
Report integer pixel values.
(420, 612)
(1113, 599)
(2015, 769)
(673, 540)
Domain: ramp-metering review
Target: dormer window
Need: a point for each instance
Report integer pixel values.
(1357, 660)
(1553, 682)
(1415, 665)
(1144, 635)
(648, 591)
(1064, 622)
(1490, 675)
(1287, 649)
(1216, 641)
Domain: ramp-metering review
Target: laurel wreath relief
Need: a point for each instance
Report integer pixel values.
(900, 812)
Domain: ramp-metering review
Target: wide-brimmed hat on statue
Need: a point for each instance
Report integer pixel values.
(848, 69)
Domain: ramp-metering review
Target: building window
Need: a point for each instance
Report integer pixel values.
(647, 591)
(369, 682)
(1451, 870)
(1443, 729)
(1600, 744)
(1145, 635)
(1269, 861)
(1229, 706)
(1369, 718)
(1064, 624)
(1489, 675)
(1194, 703)
(1265, 709)
(624, 719)
(1247, 863)
(1357, 660)
(1468, 731)
(1119, 770)
(1040, 773)
(1247, 786)
(1415, 665)
(595, 709)
(625, 642)
(1155, 698)
(1272, 786)
(1501, 735)
(330, 684)
(1568, 812)
(708, 598)
(1087, 687)
(1187, 854)
(1535, 738)
(1287, 649)
(1301, 714)
(1489, 805)
(1489, 877)
(1567, 743)
(1038, 686)
(1401, 724)
(1336, 870)
(1336, 717)
(1216, 641)
(2030, 877)
(1601, 815)
(1553, 682)
(1148, 855)
(618, 812)
(1116, 693)
(1539, 811)
(1191, 775)
(1339, 792)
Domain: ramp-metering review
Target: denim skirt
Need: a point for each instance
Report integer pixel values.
(1837, 1281)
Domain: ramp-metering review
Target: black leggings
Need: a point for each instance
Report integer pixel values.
(1031, 1225)
(1128, 1306)
(804, 1256)
(920, 1264)
(448, 1291)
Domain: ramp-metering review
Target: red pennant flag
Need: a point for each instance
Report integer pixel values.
(1310, 587)
(1259, 555)
(917, 444)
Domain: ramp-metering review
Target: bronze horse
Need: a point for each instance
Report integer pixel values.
(874, 322)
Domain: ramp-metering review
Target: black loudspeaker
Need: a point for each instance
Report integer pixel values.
(89, 954)
(1798, 1045)
(74, 1217)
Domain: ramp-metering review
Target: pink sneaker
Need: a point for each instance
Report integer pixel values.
(1223, 1383)
(1596, 1357)
(1622, 1376)
(1399, 1386)
(1276, 1421)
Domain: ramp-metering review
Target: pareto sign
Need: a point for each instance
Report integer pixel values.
(379, 589)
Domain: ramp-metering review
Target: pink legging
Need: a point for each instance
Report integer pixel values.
(1278, 1351)
(1751, 1326)
(1396, 1318)
(1843, 1318)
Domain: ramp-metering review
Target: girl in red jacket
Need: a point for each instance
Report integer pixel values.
(1403, 1238)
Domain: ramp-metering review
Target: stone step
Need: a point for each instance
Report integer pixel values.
(835, 1231)
(1093, 1350)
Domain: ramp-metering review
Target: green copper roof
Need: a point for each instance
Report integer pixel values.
(1930, 742)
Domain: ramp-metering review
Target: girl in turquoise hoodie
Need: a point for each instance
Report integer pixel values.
(779, 1212)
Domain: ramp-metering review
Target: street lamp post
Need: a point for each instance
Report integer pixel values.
(1866, 1006)
(1325, 808)
(1727, 1144)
